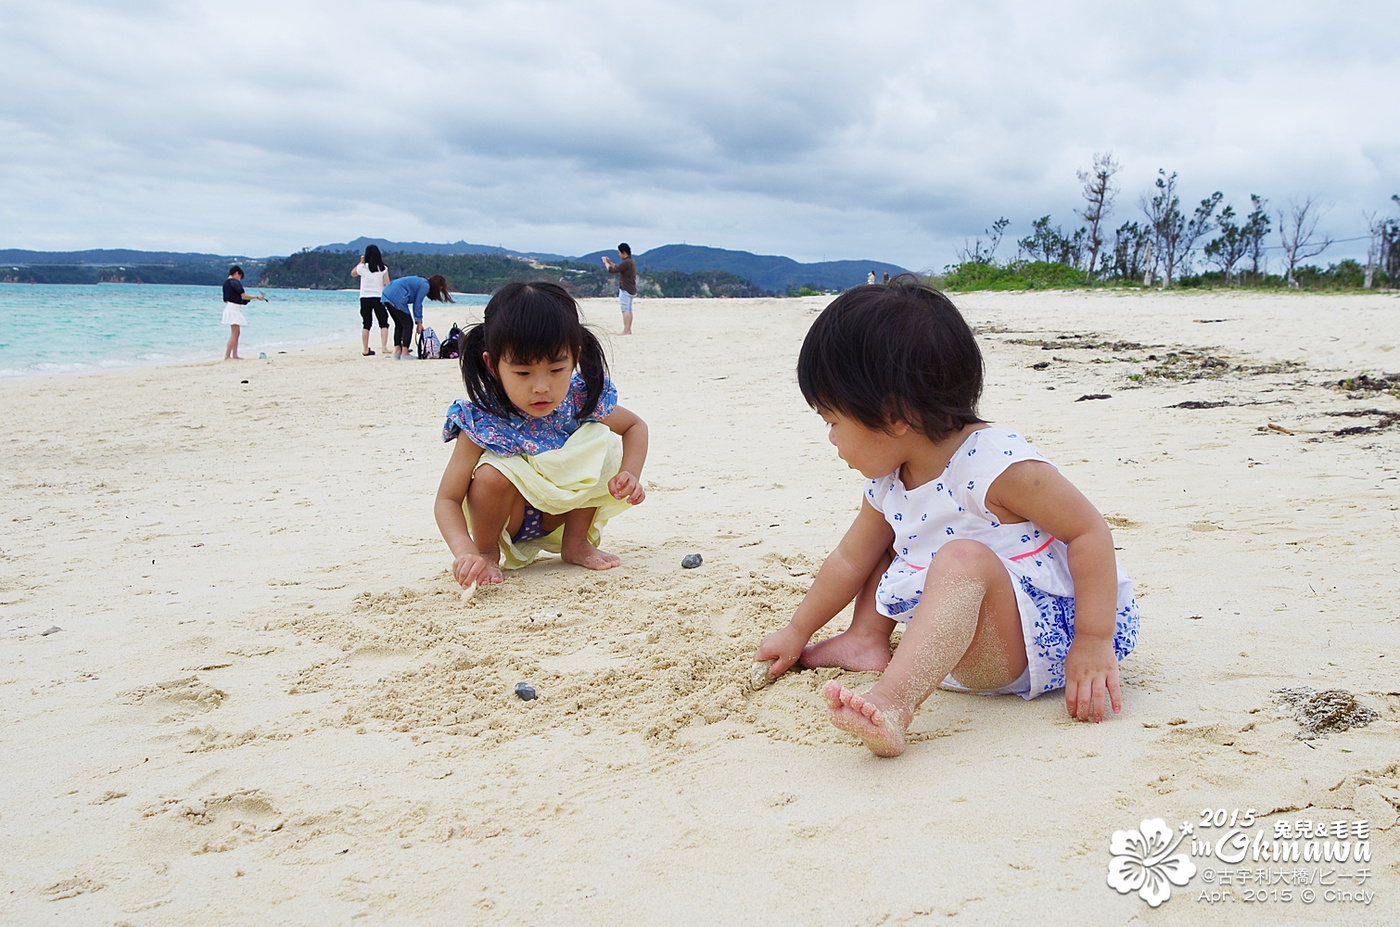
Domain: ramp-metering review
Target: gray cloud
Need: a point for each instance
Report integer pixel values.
(813, 129)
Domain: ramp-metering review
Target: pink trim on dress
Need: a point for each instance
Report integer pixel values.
(1034, 552)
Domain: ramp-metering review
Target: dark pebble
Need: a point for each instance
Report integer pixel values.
(525, 691)
(691, 561)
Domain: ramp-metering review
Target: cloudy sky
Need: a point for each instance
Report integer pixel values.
(820, 130)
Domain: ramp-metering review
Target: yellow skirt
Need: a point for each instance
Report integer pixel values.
(557, 482)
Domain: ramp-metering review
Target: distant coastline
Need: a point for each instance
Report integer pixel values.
(669, 270)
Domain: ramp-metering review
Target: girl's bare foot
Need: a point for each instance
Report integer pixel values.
(858, 653)
(881, 727)
(586, 555)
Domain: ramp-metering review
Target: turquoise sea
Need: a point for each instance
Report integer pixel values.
(48, 329)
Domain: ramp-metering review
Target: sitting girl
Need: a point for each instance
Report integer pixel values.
(545, 455)
(1002, 572)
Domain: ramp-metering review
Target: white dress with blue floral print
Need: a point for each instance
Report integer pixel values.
(526, 434)
(954, 506)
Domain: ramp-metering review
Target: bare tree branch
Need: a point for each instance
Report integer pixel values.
(1296, 229)
(1099, 192)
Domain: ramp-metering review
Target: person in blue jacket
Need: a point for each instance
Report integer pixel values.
(404, 296)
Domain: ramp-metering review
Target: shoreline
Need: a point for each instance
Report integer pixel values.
(87, 335)
(1278, 299)
(265, 686)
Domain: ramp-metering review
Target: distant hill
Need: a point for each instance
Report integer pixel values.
(765, 273)
(483, 273)
(768, 272)
(424, 247)
(121, 265)
(106, 257)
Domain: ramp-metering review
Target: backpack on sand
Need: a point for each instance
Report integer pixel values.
(452, 344)
(428, 345)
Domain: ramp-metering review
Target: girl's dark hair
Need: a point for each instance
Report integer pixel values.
(374, 259)
(895, 352)
(525, 323)
(437, 289)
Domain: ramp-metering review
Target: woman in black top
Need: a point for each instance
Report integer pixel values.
(234, 301)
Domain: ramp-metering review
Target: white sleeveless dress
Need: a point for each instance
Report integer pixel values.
(954, 506)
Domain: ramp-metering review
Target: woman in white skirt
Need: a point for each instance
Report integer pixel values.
(234, 301)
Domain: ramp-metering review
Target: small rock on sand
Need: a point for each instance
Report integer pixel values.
(525, 692)
(691, 561)
(758, 676)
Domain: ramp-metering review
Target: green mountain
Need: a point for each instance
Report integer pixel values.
(426, 247)
(670, 270)
(769, 272)
(120, 266)
(483, 273)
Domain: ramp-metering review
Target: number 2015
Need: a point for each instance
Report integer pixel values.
(1221, 817)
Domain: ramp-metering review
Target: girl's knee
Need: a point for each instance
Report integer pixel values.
(966, 557)
(487, 480)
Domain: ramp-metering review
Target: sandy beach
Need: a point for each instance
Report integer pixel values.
(238, 685)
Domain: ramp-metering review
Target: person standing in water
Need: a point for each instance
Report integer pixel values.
(626, 269)
(234, 301)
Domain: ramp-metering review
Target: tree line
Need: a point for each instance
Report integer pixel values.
(187, 273)
(484, 273)
(1165, 241)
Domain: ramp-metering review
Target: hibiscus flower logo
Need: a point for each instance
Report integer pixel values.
(1142, 862)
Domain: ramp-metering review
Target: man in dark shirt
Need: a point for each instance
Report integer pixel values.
(626, 269)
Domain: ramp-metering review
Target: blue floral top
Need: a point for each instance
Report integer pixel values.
(525, 434)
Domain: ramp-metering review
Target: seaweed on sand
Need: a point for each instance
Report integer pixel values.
(1188, 364)
(1387, 420)
(1081, 342)
(1321, 713)
(1362, 383)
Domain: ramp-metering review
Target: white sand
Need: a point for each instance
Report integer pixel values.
(268, 703)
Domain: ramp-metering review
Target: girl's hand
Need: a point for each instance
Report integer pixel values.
(628, 487)
(474, 568)
(1091, 674)
(783, 647)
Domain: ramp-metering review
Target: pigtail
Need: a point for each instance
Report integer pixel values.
(484, 390)
(524, 323)
(593, 367)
